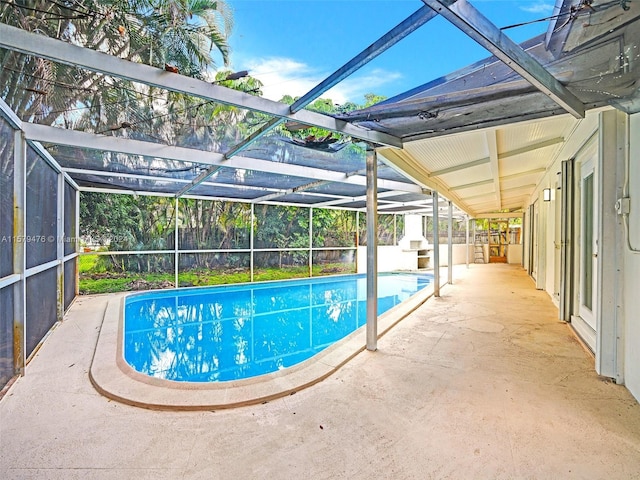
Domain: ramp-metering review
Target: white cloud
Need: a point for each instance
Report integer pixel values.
(353, 89)
(538, 7)
(282, 76)
(285, 76)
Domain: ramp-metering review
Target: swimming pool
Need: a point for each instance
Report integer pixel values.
(231, 332)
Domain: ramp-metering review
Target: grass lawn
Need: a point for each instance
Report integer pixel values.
(93, 282)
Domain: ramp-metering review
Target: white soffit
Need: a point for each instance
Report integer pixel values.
(517, 135)
(466, 176)
(467, 166)
(507, 183)
(442, 153)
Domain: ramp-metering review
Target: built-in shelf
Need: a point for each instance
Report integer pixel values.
(423, 258)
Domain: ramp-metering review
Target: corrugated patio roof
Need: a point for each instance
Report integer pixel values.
(484, 136)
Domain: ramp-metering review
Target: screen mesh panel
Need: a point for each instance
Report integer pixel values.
(6, 334)
(6, 197)
(41, 306)
(41, 211)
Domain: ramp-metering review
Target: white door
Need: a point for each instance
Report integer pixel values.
(557, 242)
(585, 323)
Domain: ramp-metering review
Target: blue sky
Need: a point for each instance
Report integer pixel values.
(291, 45)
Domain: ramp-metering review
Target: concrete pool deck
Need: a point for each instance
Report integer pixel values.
(481, 383)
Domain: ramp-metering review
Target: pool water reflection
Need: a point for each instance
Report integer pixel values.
(232, 332)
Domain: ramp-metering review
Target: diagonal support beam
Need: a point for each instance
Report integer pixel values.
(409, 25)
(457, 168)
(526, 173)
(234, 151)
(361, 198)
(531, 148)
(464, 16)
(393, 36)
(492, 147)
(301, 188)
(198, 180)
(472, 185)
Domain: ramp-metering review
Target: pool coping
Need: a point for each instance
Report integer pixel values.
(112, 377)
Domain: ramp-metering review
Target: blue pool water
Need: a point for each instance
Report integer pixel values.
(231, 332)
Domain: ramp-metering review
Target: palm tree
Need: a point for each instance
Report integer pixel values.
(179, 33)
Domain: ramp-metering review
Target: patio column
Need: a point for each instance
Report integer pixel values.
(251, 253)
(466, 232)
(77, 240)
(310, 260)
(19, 252)
(176, 255)
(372, 249)
(60, 246)
(450, 246)
(436, 246)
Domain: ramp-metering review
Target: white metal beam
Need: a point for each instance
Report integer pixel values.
(361, 198)
(450, 243)
(471, 185)
(46, 134)
(10, 115)
(198, 180)
(492, 146)
(436, 245)
(123, 191)
(19, 252)
(29, 43)
(372, 251)
(426, 201)
(300, 189)
(531, 148)
(530, 187)
(526, 173)
(151, 178)
(46, 156)
(457, 168)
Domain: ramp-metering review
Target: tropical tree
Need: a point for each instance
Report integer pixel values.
(281, 227)
(208, 125)
(129, 223)
(372, 99)
(179, 35)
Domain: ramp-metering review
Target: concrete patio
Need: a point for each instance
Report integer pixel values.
(481, 383)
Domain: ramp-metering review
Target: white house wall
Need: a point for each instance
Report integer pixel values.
(618, 138)
(631, 275)
(548, 210)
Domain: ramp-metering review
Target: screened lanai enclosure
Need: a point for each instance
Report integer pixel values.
(237, 224)
(191, 189)
(192, 178)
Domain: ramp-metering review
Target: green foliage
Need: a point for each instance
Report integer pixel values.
(327, 106)
(334, 228)
(179, 33)
(127, 222)
(206, 224)
(91, 284)
(372, 99)
(281, 227)
(390, 229)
